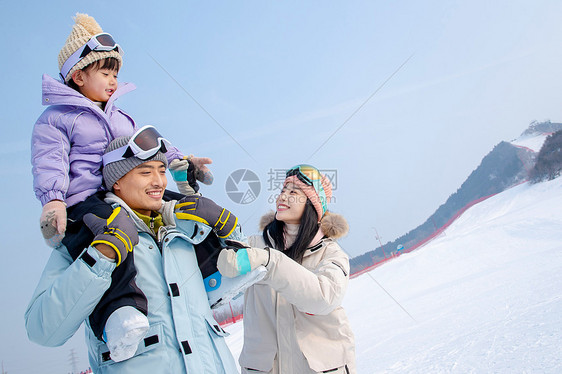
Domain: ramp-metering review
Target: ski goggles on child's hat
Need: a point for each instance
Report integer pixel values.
(144, 144)
(310, 176)
(101, 42)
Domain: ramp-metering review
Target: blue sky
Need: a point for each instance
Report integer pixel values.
(264, 85)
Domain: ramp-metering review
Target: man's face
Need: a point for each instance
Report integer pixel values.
(143, 187)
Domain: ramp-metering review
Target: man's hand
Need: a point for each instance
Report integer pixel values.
(237, 259)
(53, 219)
(201, 209)
(118, 232)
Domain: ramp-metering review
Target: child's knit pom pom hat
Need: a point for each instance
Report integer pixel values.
(84, 29)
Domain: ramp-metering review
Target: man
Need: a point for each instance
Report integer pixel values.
(183, 336)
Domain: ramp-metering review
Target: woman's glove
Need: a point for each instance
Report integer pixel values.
(53, 222)
(237, 259)
(118, 231)
(183, 172)
(201, 209)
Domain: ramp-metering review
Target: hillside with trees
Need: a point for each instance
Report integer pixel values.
(505, 166)
(549, 160)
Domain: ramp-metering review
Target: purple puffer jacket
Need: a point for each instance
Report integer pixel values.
(69, 140)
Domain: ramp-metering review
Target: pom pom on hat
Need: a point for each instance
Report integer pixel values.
(84, 29)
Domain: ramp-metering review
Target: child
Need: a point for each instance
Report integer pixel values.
(68, 142)
(70, 136)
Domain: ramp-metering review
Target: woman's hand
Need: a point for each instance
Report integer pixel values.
(237, 259)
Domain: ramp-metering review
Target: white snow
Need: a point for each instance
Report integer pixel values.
(533, 142)
(485, 297)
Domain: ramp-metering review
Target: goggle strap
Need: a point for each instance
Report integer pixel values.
(115, 155)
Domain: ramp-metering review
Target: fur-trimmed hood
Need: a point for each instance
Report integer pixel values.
(333, 225)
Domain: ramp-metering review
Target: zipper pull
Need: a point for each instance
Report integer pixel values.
(152, 224)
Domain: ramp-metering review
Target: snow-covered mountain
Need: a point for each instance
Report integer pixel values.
(532, 139)
(484, 297)
(508, 164)
(545, 127)
(532, 142)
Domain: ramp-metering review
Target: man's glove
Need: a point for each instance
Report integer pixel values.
(237, 259)
(201, 209)
(183, 172)
(118, 231)
(53, 222)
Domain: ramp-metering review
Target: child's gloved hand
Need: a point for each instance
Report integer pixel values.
(118, 232)
(238, 258)
(53, 222)
(202, 172)
(201, 209)
(183, 172)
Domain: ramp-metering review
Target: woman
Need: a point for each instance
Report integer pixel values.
(293, 319)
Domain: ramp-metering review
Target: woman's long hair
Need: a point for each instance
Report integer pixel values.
(307, 230)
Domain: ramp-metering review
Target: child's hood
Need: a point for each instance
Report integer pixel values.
(56, 93)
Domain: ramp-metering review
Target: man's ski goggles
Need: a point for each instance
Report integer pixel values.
(144, 144)
(310, 176)
(100, 42)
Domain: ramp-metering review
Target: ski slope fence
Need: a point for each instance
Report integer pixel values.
(231, 321)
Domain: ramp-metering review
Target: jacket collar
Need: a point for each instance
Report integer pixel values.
(196, 231)
(57, 93)
(167, 212)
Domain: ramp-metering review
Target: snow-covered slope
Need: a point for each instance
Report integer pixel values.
(534, 136)
(533, 142)
(485, 297)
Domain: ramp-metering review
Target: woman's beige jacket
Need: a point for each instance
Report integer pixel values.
(293, 319)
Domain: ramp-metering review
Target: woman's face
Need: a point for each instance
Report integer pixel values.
(290, 204)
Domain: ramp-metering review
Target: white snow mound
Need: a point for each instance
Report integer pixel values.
(484, 297)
